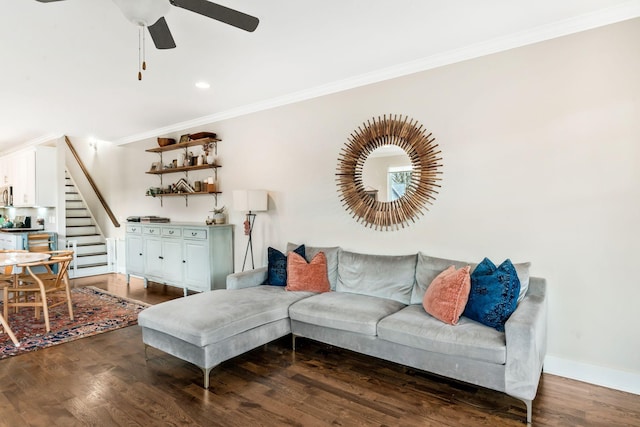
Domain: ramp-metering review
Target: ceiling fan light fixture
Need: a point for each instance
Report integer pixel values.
(143, 12)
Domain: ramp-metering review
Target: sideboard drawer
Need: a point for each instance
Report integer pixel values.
(153, 231)
(135, 229)
(194, 233)
(171, 231)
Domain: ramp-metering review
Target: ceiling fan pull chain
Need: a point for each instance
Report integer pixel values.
(144, 50)
(139, 52)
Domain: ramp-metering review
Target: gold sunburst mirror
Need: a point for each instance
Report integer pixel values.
(407, 188)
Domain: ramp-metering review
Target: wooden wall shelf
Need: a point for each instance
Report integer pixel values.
(180, 145)
(199, 193)
(183, 169)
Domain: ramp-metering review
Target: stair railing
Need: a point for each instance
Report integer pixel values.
(104, 203)
(111, 254)
(73, 267)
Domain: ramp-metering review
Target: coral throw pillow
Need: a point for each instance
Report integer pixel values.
(494, 293)
(303, 276)
(447, 294)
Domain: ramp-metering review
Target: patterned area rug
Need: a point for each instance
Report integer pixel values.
(95, 311)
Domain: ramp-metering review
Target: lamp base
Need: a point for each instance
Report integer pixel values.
(248, 228)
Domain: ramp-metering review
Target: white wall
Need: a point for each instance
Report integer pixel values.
(541, 158)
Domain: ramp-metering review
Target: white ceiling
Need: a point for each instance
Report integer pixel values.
(70, 67)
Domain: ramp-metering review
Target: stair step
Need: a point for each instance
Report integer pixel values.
(89, 271)
(75, 213)
(91, 248)
(87, 238)
(74, 204)
(96, 264)
(88, 254)
(80, 230)
(79, 221)
(91, 259)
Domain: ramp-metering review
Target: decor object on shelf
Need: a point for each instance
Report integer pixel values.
(218, 216)
(163, 142)
(419, 146)
(249, 201)
(200, 135)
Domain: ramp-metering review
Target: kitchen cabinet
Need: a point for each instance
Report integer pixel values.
(32, 173)
(10, 241)
(187, 255)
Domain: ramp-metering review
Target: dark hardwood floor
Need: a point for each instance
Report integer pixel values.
(105, 381)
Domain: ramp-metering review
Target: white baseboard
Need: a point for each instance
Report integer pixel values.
(610, 378)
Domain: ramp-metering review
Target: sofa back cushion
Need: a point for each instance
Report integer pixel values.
(427, 269)
(384, 276)
(332, 259)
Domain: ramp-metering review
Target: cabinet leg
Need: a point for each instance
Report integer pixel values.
(146, 283)
(185, 292)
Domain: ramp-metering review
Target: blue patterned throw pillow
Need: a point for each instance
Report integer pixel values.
(494, 294)
(277, 266)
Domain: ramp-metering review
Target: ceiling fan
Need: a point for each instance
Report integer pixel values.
(150, 14)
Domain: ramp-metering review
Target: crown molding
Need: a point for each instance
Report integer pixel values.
(32, 143)
(612, 15)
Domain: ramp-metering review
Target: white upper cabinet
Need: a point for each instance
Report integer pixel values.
(32, 173)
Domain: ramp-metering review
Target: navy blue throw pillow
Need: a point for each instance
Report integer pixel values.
(494, 294)
(277, 266)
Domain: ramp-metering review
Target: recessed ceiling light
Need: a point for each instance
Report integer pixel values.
(203, 85)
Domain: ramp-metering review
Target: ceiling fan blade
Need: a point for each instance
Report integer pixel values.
(47, 1)
(161, 35)
(219, 13)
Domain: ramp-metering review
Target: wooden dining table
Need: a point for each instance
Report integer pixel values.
(12, 259)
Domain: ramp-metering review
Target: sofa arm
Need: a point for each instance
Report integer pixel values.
(247, 279)
(526, 338)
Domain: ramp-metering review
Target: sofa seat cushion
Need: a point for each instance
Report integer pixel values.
(413, 327)
(209, 317)
(344, 311)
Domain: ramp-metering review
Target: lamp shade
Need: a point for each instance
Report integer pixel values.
(250, 200)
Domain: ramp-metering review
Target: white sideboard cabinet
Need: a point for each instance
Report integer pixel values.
(187, 255)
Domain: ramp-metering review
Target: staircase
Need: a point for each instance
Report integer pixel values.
(91, 247)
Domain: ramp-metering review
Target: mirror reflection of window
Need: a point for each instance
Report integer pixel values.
(398, 180)
(377, 168)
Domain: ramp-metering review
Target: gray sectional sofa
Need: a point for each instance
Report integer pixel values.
(374, 308)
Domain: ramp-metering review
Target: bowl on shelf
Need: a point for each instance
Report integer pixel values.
(201, 135)
(163, 142)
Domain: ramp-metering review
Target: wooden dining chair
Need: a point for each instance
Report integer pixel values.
(6, 282)
(7, 279)
(40, 242)
(45, 272)
(45, 285)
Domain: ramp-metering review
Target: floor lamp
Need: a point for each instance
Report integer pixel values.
(249, 201)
